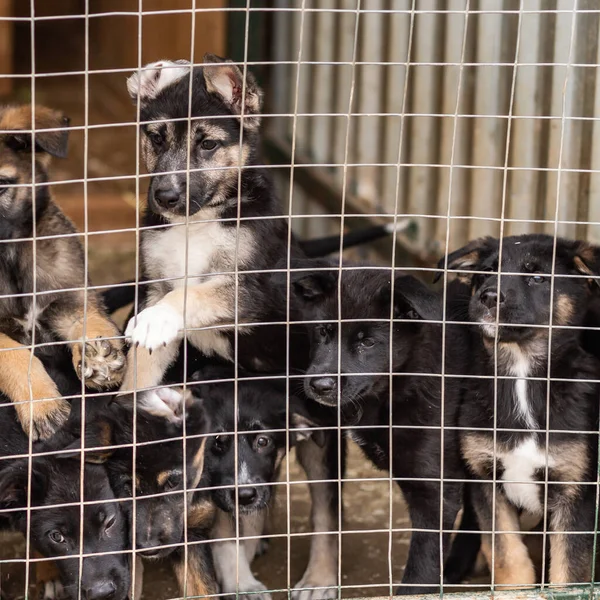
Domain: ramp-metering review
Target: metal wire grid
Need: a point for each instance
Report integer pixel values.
(357, 13)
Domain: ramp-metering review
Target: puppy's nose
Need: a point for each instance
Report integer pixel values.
(490, 298)
(247, 495)
(167, 197)
(103, 590)
(323, 385)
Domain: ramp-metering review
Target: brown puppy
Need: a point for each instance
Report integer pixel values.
(42, 278)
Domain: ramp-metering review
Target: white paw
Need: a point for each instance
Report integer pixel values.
(308, 589)
(52, 590)
(163, 402)
(155, 326)
(252, 590)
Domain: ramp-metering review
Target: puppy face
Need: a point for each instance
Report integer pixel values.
(55, 530)
(16, 149)
(354, 353)
(522, 297)
(161, 478)
(211, 140)
(261, 443)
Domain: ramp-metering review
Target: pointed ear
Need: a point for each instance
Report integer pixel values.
(226, 80)
(18, 118)
(414, 300)
(468, 257)
(14, 481)
(155, 77)
(306, 427)
(587, 261)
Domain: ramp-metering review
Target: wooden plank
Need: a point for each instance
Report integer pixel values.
(6, 48)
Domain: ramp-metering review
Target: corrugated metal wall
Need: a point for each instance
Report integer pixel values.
(505, 92)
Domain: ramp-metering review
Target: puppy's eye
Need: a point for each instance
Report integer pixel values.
(5, 183)
(208, 144)
(412, 314)
(57, 537)
(109, 522)
(219, 444)
(18, 143)
(262, 442)
(156, 138)
(537, 279)
(321, 332)
(173, 481)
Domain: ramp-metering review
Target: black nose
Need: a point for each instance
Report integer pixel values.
(167, 197)
(247, 495)
(103, 590)
(490, 298)
(323, 385)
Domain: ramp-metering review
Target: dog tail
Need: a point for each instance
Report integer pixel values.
(330, 244)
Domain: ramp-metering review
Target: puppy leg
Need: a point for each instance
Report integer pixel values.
(423, 566)
(146, 369)
(232, 567)
(512, 565)
(210, 303)
(571, 556)
(135, 593)
(104, 362)
(200, 579)
(17, 382)
(320, 580)
(253, 526)
(47, 581)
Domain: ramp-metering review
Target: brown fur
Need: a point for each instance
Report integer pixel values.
(56, 314)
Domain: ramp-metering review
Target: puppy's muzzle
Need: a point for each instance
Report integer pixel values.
(323, 390)
(168, 199)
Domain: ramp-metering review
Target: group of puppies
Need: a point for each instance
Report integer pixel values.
(481, 396)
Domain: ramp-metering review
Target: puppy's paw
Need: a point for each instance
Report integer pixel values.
(155, 326)
(310, 589)
(103, 364)
(51, 590)
(44, 419)
(253, 590)
(167, 403)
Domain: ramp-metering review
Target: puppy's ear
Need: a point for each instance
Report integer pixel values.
(155, 77)
(99, 436)
(306, 427)
(18, 118)
(312, 287)
(468, 257)
(413, 300)
(226, 80)
(14, 482)
(587, 261)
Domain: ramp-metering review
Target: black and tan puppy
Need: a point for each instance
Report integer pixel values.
(47, 268)
(162, 476)
(52, 482)
(351, 362)
(524, 430)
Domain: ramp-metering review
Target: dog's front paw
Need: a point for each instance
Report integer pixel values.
(162, 402)
(103, 363)
(254, 590)
(44, 418)
(155, 326)
(309, 588)
(51, 590)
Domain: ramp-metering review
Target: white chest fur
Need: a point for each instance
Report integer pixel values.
(520, 466)
(211, 248)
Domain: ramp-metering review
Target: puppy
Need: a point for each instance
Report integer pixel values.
(55, 515)
(38, 306)
(161, 476)
(247, 491)
(350, 368)
(512, 314)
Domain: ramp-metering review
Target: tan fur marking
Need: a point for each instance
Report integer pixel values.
(198, 463)
(512, 564)
(201, 514)
(14, 383)
(145, 369)
(581, 266)
(197, 584)
(162, 477)
(45, 571)
(563, 311)
(8, 171)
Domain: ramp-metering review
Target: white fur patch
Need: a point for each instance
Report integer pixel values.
(155, 326)
(520, 466)
(155, 77)
(162, 402)
(519, 365)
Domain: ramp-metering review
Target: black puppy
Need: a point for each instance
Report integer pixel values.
(55, 516)
(247, 490)
(162, 475)
(539, 425)
(362, 388)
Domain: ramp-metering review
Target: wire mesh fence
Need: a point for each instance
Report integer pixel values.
(206, 388)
